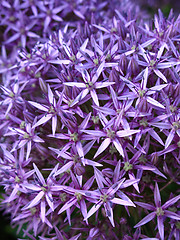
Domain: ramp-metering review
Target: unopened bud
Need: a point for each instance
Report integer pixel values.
(79, 169)
(107, 172)
(123, 63)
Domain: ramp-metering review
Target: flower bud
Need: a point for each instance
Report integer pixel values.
(79, 169)
(133, 67)
(123, 63)
(107, 172)
(121, 44)
(143, 105)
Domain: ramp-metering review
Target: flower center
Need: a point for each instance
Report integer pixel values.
(96, 61)
(172, 108)
(112, 150)
(127, 166)
(159, 212)
(51, 109)
(108, 57)
(26, 135)
(152, 63)
(63, 197)
(73, 58)
(176, 125)
(95, 119)
(17, 179)
(104, 198)
(89, 85)
(44, 188)
(113, 30)
(48, 12)
(110, 133)
(11, 94)
(141, 93)
(22, 31)
(142, 159)
(78, 196)
(22, 125)
(74, 137)
(143, 122)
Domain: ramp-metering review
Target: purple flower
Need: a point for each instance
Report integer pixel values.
(158, 211)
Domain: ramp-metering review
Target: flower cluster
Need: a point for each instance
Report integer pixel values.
(90, 120)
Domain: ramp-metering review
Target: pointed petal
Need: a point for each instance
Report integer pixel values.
(43, 211)
(39, 106)
(35, 201)
(154, 102)
(49, 200)
(109, 212)
(103, 146)
(155, 136)
(54, 124)
(68, 204)
(64, 168)
(93, 210)
(122, 202)
(94, 97)
(28, 149)
(43, 120)
(80, 149)
(159, 74)
(170, 202)
(157, 196)
(160, 227)
(118, 146)
(145, 205)
(39, 174)
(172, 215)
(146, 219)
(126, 133)
(169, 138)
(98, 72)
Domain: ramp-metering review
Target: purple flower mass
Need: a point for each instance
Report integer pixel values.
(89, 120)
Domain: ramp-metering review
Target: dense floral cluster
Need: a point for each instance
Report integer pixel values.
(89, 120)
